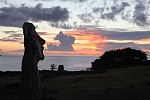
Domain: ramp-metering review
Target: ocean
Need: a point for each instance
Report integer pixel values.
(71, 63)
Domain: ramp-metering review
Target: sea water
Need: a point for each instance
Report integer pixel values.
(71, 63)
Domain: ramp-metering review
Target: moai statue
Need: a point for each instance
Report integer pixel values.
(33, 52)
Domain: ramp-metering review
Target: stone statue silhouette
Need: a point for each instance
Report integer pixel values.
(33, 45)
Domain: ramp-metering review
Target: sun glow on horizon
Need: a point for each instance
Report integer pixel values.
(88, 43)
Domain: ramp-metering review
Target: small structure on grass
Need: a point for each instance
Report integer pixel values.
(61, 68)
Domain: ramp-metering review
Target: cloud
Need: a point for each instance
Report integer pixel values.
(113, 45)
(61, 25)
(16, 16)
(140, 16)
(9, 32)
(115, 10)
(86, 17)
(121, 39)
(110, 13)
(17, 36)
(98, 9)
(20, 51)
(14, 36)
(75, 1)
(118, 35)
(65, 43)
(136, 12)
(6, 2)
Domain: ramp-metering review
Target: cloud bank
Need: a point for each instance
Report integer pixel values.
(16, 16)
(14, 36)
(136, 12)
(132, 35)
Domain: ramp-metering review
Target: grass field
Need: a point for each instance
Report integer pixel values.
(114, 78)
(69, 85)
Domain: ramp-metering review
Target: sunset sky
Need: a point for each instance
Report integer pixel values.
(76, 27)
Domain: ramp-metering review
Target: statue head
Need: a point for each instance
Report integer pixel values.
(28, 28)
(29, 32)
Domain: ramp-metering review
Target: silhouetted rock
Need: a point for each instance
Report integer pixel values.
(33, 45)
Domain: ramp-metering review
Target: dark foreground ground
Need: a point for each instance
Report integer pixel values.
(131, 83)
(131, 93)
(140, 93)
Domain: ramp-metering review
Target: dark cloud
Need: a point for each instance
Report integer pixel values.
(140, 16)
(86, 17)
(117, 35)
(17, 36)
(42, 33)
(115, 10)
(65, 25)
(16, 16)
(65, 43)
(122, 39)
(98, 9)
(62, 25)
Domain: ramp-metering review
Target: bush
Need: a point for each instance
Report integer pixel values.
(119, 58)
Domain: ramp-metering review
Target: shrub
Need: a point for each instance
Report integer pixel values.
(119, 58)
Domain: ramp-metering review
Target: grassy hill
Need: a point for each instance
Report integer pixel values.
(114, 78)
(115, 83)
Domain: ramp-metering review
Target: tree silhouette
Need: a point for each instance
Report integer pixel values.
(119, 58)
(52, 67)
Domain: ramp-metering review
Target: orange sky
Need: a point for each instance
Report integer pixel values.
(86, 43)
